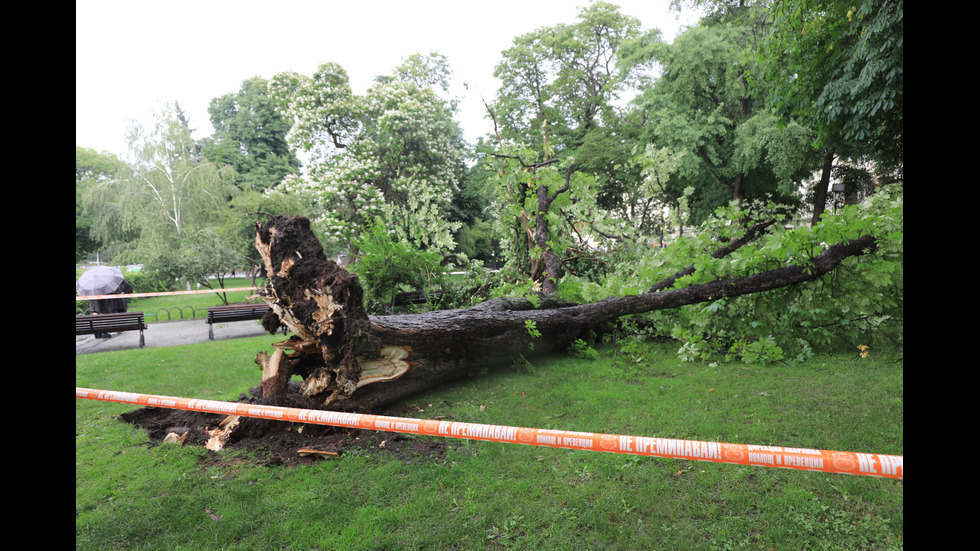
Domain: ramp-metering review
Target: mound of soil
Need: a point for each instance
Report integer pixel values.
(278, 443)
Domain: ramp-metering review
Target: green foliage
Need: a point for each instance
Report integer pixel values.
(532, 331)
(560, 94)
(431, 71)
(564, 76)
(762, 350)
(704, 110)
(476, 241)
(250, 136)
(581, 349)
(503, 288)
(860, 302)
(537, 204)
(92, 168)
(212, 253)
(466, 285)
(630, 356)
(149, 281)
(166, 195)
(390, 265)
(694, 348)
(475, 237)
(838, 66)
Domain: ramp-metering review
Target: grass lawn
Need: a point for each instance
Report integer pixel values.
(129, 494)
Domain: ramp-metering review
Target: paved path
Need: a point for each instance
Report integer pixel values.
(169, 333)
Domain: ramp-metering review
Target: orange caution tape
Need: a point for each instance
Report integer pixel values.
(164, 293)
(866, 464)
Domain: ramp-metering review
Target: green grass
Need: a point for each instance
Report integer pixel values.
(491, 495)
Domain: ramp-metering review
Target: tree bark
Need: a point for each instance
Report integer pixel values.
(552, 266)
(820, 197)
(354, 362)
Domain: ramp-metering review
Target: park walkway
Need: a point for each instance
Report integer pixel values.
(169, 333)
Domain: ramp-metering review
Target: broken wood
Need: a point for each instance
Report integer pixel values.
(218, 436)
(310, 452)
(354, 362)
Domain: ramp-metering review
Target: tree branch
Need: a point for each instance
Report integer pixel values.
(612, 308)
(493, 116)
(523, 164)
(732, 245)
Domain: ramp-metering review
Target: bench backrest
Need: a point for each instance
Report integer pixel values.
(122, 321)
(238, 308)
(238, 311)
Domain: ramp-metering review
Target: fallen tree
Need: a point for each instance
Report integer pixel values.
(351, 361)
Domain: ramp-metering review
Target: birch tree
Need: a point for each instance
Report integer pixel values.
(166, 192)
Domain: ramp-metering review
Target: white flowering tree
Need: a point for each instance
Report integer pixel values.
(394, 152)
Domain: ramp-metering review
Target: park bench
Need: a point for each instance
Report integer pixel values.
(235, 312)
(111, 323)
(413, 297)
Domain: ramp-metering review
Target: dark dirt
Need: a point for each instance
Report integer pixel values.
(298, 272)
(277, 443)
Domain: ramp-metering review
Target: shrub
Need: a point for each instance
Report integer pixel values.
(387, 265)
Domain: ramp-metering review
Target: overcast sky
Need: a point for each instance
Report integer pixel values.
(133, 56)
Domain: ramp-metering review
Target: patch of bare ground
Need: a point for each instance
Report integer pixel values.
(280, 443)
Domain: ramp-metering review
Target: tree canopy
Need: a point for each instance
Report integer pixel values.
(838, 66)
(250, 136)
(92, 168)
(395, 151)
(164, 196)
(566, 77)
(705, 106)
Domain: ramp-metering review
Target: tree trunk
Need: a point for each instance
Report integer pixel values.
(552, 266)
(354, 362)
(820, 198)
